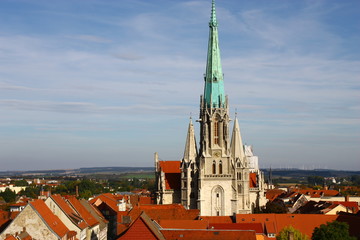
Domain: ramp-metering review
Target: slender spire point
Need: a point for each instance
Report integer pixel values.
(213, 21)
(214, 94)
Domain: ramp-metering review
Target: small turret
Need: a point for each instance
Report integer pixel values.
(190, 152)
(236, 146)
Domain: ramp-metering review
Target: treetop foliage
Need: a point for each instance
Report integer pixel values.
(332, 231)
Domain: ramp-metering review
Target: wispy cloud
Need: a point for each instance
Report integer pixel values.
(289, 70)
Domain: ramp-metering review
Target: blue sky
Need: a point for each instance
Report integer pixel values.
(108, 83)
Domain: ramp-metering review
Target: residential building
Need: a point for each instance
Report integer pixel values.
(39, 222)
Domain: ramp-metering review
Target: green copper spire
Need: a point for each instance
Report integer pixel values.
(214, 95)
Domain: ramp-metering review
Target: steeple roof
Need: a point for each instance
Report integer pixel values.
(214, 94)
(237, 149)
(190, 152)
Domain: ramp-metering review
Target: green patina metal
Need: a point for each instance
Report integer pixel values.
(214, 94)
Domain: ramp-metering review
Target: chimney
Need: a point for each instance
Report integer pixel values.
(347, 198)
(77, 190)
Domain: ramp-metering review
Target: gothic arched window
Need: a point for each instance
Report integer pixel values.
(214, 167)
(220, 167)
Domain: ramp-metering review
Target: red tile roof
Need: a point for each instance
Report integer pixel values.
(170, 166)
(107, 198)
(318, 192)
(168, 211)
(145, 200)
(272, 194)
(253, 180)
(87, 216)
(257, 227)
(51, 220)
(353, 206)
(217, 219)
(209, 234)
(305, 223)
(141, 228)
(172, 181)
(184, 224)
(69, 211)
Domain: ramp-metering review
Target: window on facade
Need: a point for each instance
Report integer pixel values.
(214, 168)
(217, 213)
(216, 132)
(220, 167)
(239, 188)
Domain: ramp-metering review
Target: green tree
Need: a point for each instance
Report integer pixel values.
(316, 180)
(31, 191)
(272, 207)
(332, 231)
(61, 189)
(8, 195)
(286, 231)
(21, 183)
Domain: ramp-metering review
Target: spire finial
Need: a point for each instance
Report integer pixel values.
(213, 21)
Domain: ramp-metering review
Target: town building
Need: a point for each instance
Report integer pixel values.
(222, 176)
(39, 222)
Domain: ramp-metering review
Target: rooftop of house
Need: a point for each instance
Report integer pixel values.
(84, 213)
(205, 234)
(109, 199)
(170, 166)
(183, 224)
(276, 222)
(318, 192)
(73, 215)
(51, 220)
(257, 227)
(217, 219)
(272, 194)
(253, 180)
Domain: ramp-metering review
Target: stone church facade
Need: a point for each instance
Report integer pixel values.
(221, 177)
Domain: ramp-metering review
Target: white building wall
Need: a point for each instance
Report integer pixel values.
(65, 219)
(208, 199)
(12, 188)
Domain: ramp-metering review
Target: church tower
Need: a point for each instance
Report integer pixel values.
(216, 197)
(222, 177)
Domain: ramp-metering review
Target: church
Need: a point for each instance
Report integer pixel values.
(221, 177)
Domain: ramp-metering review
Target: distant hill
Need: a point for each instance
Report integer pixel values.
(276, 173)
(78, 171)
(298, 173)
